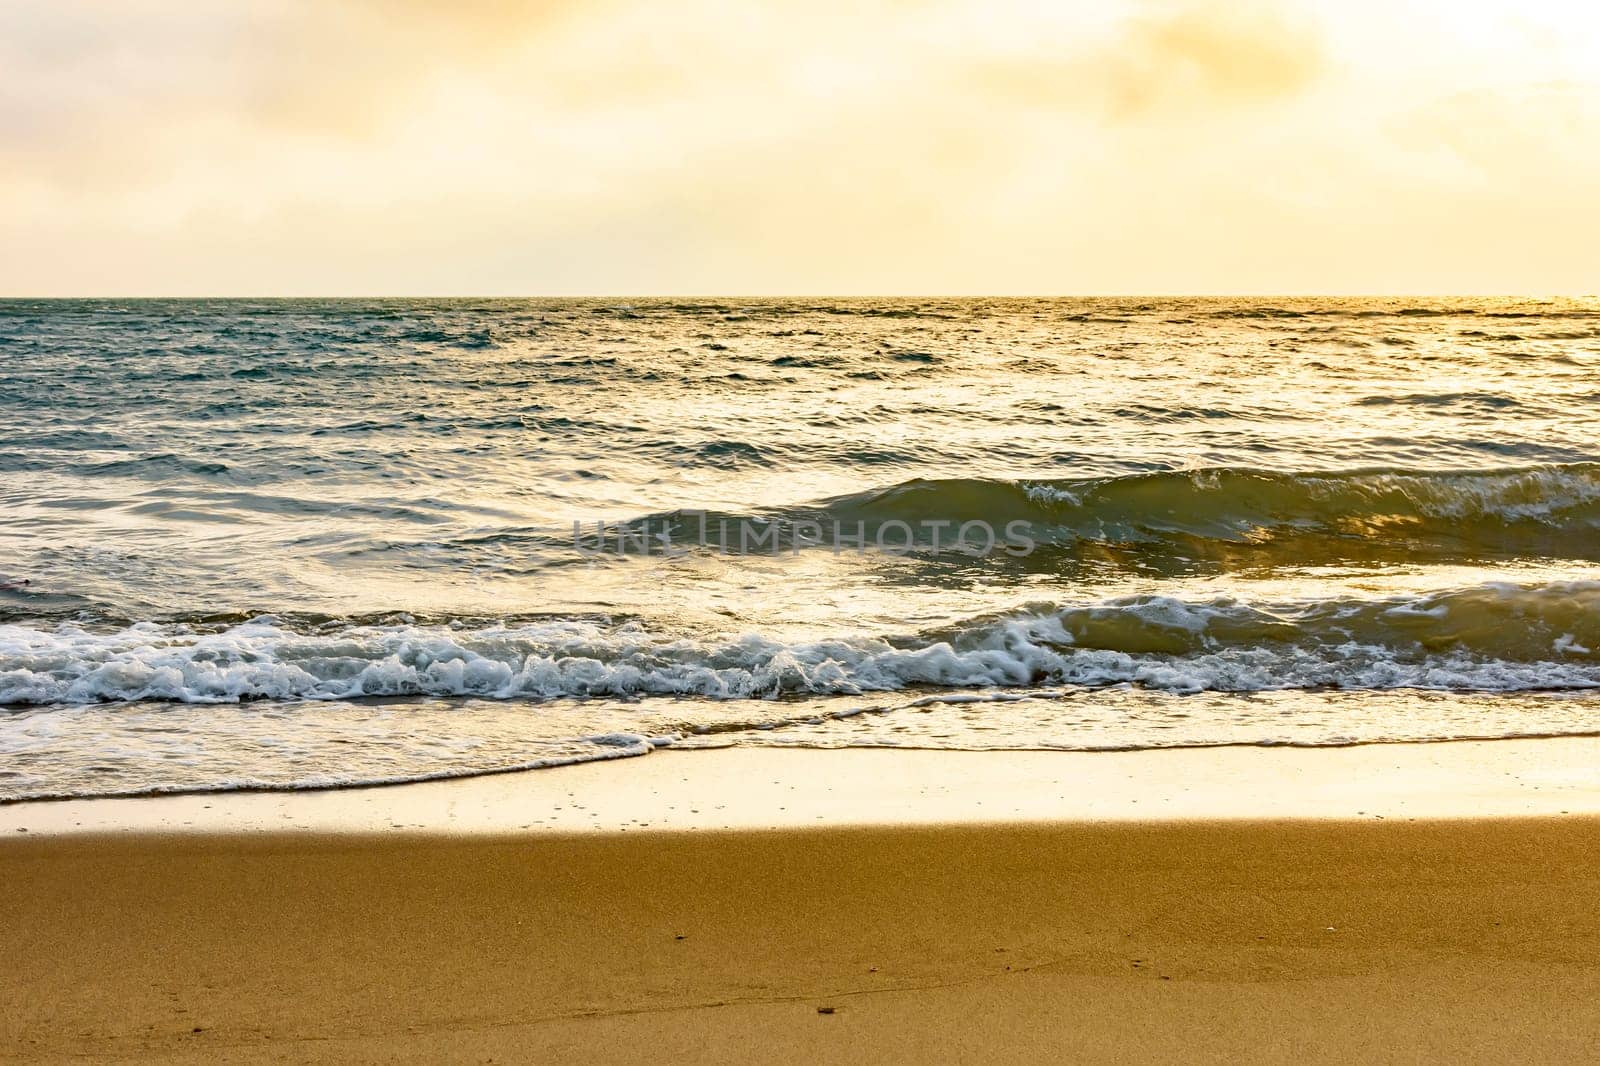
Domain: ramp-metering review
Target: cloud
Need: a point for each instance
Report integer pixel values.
(1172, 59)
(1230, 52)
(715, 145)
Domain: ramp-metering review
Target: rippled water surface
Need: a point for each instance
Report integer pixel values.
(295, 543)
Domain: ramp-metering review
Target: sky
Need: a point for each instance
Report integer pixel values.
(703, 147)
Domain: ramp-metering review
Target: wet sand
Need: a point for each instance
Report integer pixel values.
(973, 934)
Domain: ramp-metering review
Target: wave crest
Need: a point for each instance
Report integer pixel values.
(1548, 509)
(1494, 637)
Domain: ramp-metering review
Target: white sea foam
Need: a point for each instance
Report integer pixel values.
(1042, 493)
(1491, 637)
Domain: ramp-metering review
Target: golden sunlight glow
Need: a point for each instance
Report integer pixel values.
(712, 146)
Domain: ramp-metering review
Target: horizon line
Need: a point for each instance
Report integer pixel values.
(1242, 295)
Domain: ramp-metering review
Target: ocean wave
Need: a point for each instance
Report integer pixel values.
(1219, 513)
(1552, 508)
(1232, 500)
(1492, 637)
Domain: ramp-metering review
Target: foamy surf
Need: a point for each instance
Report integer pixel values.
(1494, 637)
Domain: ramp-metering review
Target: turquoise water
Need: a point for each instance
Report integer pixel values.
(297, 543)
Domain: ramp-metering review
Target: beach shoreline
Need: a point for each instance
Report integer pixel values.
(747, 788)
(1456, 917)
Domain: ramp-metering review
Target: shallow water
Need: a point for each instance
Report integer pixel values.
(297, 543)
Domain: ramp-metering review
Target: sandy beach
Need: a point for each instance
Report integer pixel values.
(1058, 924)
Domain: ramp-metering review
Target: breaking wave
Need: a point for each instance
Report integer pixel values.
(1225, 515)
(1482, 507)
(1492, 637)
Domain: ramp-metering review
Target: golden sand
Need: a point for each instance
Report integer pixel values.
(1330, 939)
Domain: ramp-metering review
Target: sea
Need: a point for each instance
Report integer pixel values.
(306, 543)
